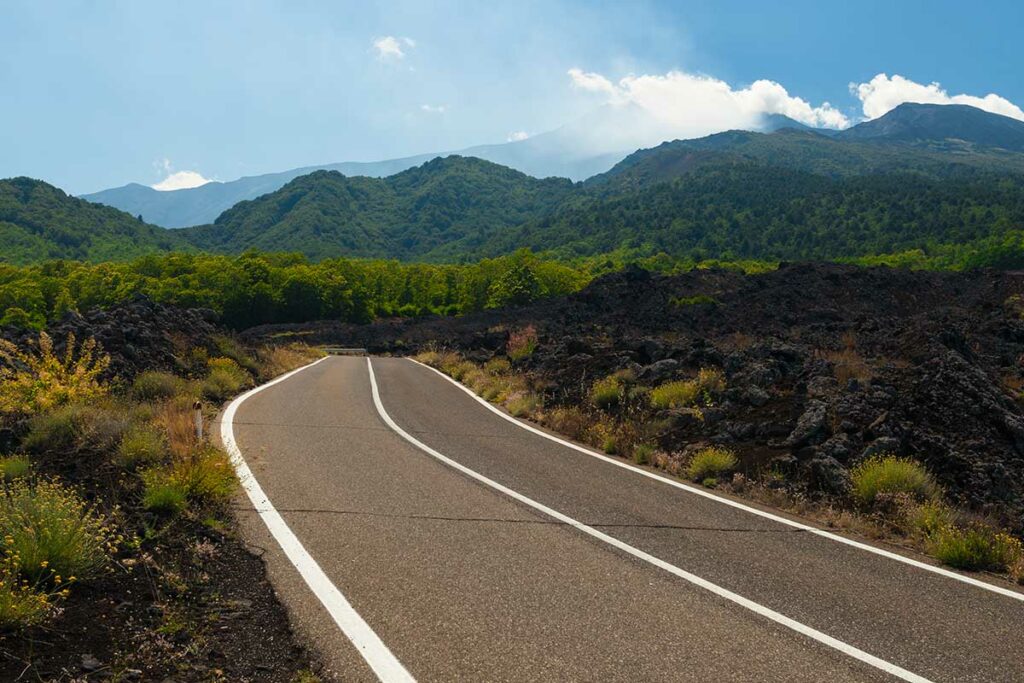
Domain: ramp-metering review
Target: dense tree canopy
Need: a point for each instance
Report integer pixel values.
(257, 288)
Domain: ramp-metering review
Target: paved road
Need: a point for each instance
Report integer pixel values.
(469, 548)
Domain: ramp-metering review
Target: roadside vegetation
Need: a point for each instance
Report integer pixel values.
(887, 497)
(107, 481)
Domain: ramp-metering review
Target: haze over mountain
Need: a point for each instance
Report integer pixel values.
(579, 150)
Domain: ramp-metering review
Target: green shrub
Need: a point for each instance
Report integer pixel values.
(53, 534)
(204, 477)
(709, 482)
(491, 391)
(929, 518)
(712, 461)
(162, 495)
(141, 445)
(678, 394)
(229, 348)
(606, 393)
(459, 369)
(77, 427)
(225, 379)
(523, 405)
(642, 454)
(207, 476)
(977, 547)
(36, 382)
(155, 386)
(689, 392)
(498, 366)
(14, 467)
(889, 474)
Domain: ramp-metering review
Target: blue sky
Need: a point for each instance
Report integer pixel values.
(97, 94)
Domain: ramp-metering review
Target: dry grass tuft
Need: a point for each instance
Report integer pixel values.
(847, 363)
(277, 360)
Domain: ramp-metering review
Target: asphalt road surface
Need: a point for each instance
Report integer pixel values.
(416, 534)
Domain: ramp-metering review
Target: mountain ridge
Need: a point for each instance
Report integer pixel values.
(792, 193)
(937, 123)
(577, 151)
(446, 201)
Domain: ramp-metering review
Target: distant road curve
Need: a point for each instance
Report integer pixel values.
(416, 532)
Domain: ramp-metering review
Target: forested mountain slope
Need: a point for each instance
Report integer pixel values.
(918, 177)
(39, 221)
(454, 202)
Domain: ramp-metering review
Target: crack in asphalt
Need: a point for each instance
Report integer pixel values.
(505, 520)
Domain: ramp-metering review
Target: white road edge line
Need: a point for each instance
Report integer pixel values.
(755, 607)
(384, 664)
(732, 503)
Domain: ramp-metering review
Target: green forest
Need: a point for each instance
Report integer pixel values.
(257, 288)
(749, 211)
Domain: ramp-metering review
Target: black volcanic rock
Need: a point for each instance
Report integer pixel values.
(138, 334)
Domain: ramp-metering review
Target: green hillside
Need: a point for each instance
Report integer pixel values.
(39, 221)
(746, 210)
(454, 204)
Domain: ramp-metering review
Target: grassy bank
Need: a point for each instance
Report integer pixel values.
(117, 536)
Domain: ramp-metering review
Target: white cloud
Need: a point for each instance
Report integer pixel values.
(516, 136)
(392, 47)
(882, 94)
(173, 180)
(683, 105)
(180, 181)
(434, 108)
(592, 82)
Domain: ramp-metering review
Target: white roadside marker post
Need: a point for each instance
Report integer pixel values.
(197, 418)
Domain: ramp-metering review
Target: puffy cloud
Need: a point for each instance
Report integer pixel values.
(516, 136)
(434, 108)
(691, 105)
(181, 180)
(392, 47)
(882, 94)
(173, 180)
(585, 80)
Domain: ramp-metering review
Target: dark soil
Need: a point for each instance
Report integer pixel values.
(189, 601)
(197, 606)
(826, 364)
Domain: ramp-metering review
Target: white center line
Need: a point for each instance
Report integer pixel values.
(755, 607)
(735, 504)
(384, 664)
